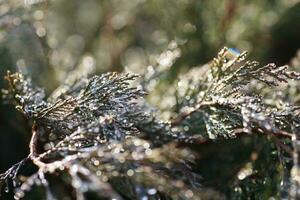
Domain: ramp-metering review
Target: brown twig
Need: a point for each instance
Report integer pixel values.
(184, 115)
(274, 137)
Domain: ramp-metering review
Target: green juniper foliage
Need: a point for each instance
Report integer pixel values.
(183, 128)
(97, 135)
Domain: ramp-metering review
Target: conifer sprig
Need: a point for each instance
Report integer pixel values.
(97, 135)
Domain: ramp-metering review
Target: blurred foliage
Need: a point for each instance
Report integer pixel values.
(170, 44)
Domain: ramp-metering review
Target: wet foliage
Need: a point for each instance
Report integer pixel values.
(98, 134)
(114, 99)
(92, 131)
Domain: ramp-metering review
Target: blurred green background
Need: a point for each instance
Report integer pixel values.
(49, 40)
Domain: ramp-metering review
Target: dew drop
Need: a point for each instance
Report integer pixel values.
(130, 172)
(6, 189)
(152, 191)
